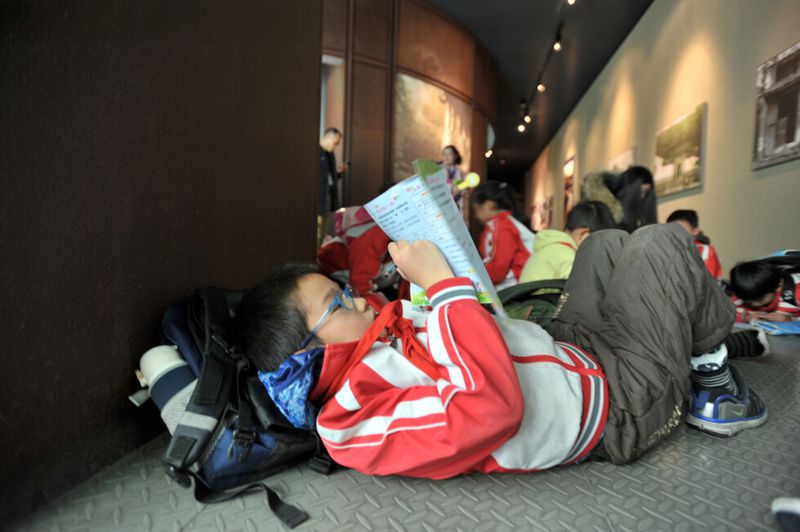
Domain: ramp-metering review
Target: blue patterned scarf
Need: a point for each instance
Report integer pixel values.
(290, 384)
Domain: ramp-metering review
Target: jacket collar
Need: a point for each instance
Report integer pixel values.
(333, 363)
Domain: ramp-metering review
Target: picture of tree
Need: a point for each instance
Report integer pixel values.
(679, 149)
(427, 119)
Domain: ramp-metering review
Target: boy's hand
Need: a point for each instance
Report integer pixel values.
(778, 316)
(420, 262)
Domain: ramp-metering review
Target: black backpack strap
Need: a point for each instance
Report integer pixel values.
(289, 515)
(321, 462)
(211, 397)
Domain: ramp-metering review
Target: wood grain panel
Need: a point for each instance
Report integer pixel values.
(492, 78)
(436, 47)
(481, 87)
(372, 29)
(368, 130)
(334, 26)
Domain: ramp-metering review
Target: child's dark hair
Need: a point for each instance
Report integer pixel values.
(637, 173)
(686, 215)
(755, 279)
(270, 323)
(497, 191)
(458, 158)
(594, 215)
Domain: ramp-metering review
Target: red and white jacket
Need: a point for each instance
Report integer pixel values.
(492, 396)
(505, 246)
(709, 256)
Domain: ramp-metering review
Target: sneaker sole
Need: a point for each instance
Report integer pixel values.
(725, 430)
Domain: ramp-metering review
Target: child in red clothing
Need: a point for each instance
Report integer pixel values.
(357, 254)
(455, 390)
(505, 244)
(765, 291)
(689, 220)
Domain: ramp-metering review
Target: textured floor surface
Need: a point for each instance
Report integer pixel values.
(692, 481)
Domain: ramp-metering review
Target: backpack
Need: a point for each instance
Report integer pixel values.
(227, 434)
(534, 301)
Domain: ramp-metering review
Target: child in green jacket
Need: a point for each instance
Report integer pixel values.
(554, 251)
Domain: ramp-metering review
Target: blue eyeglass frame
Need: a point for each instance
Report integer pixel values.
(344, 297)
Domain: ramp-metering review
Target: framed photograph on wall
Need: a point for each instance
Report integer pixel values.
(777, 137)
(570, 186)
(542, 213)
(679, 153)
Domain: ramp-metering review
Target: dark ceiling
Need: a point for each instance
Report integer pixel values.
(519, 35)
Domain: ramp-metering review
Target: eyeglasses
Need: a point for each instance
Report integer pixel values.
(345, 299)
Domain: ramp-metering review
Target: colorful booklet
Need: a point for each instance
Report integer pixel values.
(422, 208)
(779, 328)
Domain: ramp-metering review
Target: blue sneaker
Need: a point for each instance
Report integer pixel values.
(717, 412)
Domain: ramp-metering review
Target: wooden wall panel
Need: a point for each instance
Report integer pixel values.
(372, 30)
(434, 46)
(145, 153)
(368, 130)
(334, 27)
(481, 87)
(492, 78)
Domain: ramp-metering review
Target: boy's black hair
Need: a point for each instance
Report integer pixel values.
(332, 131)
(455, 152)
(687, 215)
(594, 215)
(637, 173)
(496, 191)
(270, 323)
(755, 279)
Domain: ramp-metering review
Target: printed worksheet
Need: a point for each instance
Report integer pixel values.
(422, 207)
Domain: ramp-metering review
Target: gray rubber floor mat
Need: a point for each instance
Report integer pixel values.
(692, 481)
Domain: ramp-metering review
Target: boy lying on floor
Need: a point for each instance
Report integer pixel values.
(454, 390)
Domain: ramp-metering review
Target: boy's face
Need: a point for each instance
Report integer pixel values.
(694, 231)
(315, 292)
(579, 235)
(763, 301)
(484, 211)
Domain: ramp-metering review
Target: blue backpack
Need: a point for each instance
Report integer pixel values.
(227, 433)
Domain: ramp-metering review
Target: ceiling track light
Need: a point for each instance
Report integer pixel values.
(527, 119)
(521, 128)
(540, 87)
(557, 44)
(571, 2)
(488, 153)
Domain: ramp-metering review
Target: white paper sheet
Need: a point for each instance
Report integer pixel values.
(422, 208)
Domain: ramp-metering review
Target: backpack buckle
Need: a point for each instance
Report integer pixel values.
(181, 477)
(243, 439)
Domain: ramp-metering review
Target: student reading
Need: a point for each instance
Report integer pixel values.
(454, 390)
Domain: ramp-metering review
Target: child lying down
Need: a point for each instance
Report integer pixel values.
(638, 332)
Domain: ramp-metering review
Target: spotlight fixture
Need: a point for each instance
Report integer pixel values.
(571, 2)
(488, 153)
(527, 119)
(557, 43)
(521, 128)
(540, 87)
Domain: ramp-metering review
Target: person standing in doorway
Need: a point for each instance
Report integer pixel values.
(330, 173)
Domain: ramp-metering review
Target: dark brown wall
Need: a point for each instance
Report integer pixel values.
(378, 38)
(147, 147)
